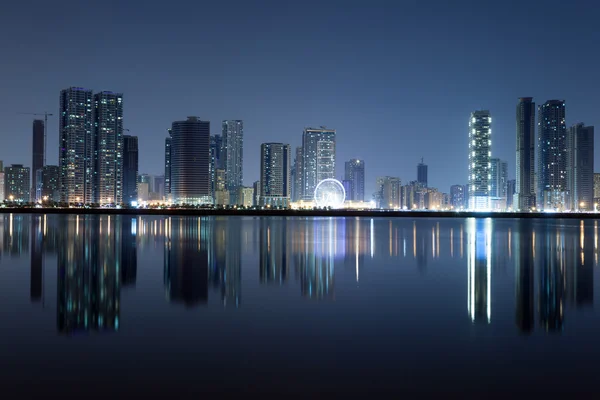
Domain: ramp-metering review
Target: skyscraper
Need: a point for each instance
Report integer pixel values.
(48, 188)
(580, 167)
(1, 181)
(275, 174)
(318, 148)
(457, 196)
(216, 146)
(499, 178)
(298, 176)
(552, 156)
(37, 161)
(190, 150)
(233, 156)
(422, 173)
(355, 174)
(511, 184)
(525, 168)
(480, 152)
(168, 141)
(130, 168)
(76, 147)
(17, 183)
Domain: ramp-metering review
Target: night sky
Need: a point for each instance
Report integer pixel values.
(397, 79)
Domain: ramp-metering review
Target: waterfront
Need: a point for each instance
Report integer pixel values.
(118, 304)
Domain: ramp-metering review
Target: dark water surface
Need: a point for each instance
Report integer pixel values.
(178, 307)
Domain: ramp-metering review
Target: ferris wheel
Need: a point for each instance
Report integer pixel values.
(330, 193)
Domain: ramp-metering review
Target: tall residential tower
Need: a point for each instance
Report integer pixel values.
(355, 175)
(233, 156)
(37, 161)
(275, 174)
(552, 188)
(525, 168)
(318, 153)
(480, 152)
(580, 170)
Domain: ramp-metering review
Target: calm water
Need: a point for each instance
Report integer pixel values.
(115, 306)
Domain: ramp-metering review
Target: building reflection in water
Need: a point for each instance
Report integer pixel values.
(580, 266)
(128, 251)
(551, 255)
(524, 285)
(187, 246)
(274, 247)
(89, 263)
(14, 239)
(479, 236)
(225, 259)
(37, 259)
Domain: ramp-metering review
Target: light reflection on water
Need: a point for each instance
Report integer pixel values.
(518, 277)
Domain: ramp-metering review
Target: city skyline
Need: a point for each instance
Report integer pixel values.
(277, 100)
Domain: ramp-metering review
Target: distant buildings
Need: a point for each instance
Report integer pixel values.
(525, 166)
(37, 159)
(511, 185)
(480, 152)
(233, 156)
(390, 188)
(580, 167)
(318, 159)
(216, 159)
(457, 197)
(498, 180)
(596, 187)
(189, 162)
(221, 195)
(17, 183)
(246, 196)
(298, 175)
(422, 173)
(48, 188)
(76, 147)
(355, 176)
(168, 142)
(275, 174)
(552, 157)
(130, 168)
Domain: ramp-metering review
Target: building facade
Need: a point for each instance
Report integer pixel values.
(48, 186)
(480, 152)
(422, 173)
(275, 174)
(525, 165)
(233, 156)
(168, 141)
(552, 191)
(108, 147)
(318, 154)
(580, 167)
(499, 178)
(355, 175)
(216, 146)
(298, 174)
(17, 183)
(457, 197)
(37, 151)
(130, 168)
(190, 150)
(76, 147)
(390, 188)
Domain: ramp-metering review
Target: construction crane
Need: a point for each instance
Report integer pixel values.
(46, 115)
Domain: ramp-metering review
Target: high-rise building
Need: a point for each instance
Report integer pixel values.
(221, 194)
(168, 141)
(159, 186)
(552, 156)
(499, 178)
(596, 187)
(457, 196)
(37, 161)
(130, 168)
(511, 185)
(48, 188)
(17, 183)
(480, 152)
(390, 192)
(525, 168)
(355, 174)
(318, 158)
(246, 196)
(275, 174)
(256, 187)
(190, 150)
(299, 174)
(580, 167)
(422, 173)
(233, 156)
(108, 147)
(216, 161)
(1, 181)
(76, 147)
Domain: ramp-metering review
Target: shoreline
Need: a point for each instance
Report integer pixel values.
(301, 213)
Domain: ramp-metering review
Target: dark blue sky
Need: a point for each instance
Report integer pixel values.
(397, 79)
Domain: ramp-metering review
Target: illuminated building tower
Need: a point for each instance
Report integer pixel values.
(275, 176)
(76, 146)
(130, 168)
(422, 174)
(17, 183)
(168, 141)
(596, 187)
(580, 167)
(233, 156)
(216, 161)
(108, 148)
(525, 182)
(318, 159)
(190, 151)
(298, 174)
(479, 236)
(457, 196)
(390, 188)
(498, 181)
(480, 152)
(552, 157)
(186, 260)
(510, 193)
(355, 174)
(37, 161)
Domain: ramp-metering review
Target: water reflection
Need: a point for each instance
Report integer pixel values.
(549, 264)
